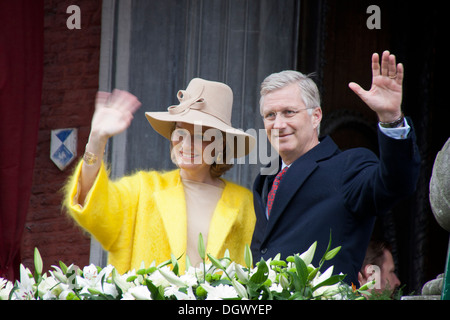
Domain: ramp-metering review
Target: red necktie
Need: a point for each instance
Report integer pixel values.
(276, 183)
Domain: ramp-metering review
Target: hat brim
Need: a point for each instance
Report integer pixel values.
(163, 122)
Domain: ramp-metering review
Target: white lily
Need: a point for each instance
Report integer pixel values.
(308, 255)
(5, 288)
(94, 280)
(137, 293)
(240, 289)
(171, 277)
(25, 289)
(241, 274)
(325, 290)
(321, 277)
(121, 281)
(48, 287)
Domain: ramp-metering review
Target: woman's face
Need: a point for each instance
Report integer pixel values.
(194, 147)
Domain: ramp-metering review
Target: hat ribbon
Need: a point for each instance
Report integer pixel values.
(187, 103)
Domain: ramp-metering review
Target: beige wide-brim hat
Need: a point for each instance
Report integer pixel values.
(205, 103)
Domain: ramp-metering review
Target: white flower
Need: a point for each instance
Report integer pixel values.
(47, 288)
(240, 289)
(121, 280)
(241, 274)
(158, 279)
(69, 278)
(276, 287)
(189, 280)
(308, 255)
(272, 275)
(184, 296)
(197, 273)
(325, 291)
(5, 288)
(137, 293)
(25, 289)
(219, 292)
(92, 279)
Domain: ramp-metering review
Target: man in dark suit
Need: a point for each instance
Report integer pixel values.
(325, 189)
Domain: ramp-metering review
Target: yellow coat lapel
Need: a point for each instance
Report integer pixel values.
(221, 224)
(171, 206)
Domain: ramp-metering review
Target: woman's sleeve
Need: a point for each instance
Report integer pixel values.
(109, 209)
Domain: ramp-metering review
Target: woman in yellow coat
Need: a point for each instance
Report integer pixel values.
(149, 215)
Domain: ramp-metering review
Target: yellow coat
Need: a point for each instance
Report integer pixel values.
(143, 218)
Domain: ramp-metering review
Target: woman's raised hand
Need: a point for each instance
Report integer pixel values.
(113, 113)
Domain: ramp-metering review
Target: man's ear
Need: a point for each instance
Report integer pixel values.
(364, 274)
(317, 116)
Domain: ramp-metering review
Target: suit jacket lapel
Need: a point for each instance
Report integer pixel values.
(294, 178)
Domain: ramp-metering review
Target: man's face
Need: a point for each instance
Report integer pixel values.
(291, 129)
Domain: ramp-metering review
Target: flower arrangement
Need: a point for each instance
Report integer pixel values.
(217, 279)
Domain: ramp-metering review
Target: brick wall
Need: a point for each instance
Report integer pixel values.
(71, 64)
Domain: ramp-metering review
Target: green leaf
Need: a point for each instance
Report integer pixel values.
(261, 274)
(154, 292)
(141, 272)
(297, 296)
(290, 259)
(131, 278)
(201, 247)
(278, 263)
(296, 281)
(302, 270)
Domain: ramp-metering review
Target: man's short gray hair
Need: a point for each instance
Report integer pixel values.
(308, 88)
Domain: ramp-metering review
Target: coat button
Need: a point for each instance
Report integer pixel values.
(263, 251)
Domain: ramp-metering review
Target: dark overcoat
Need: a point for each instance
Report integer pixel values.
(329, 190)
